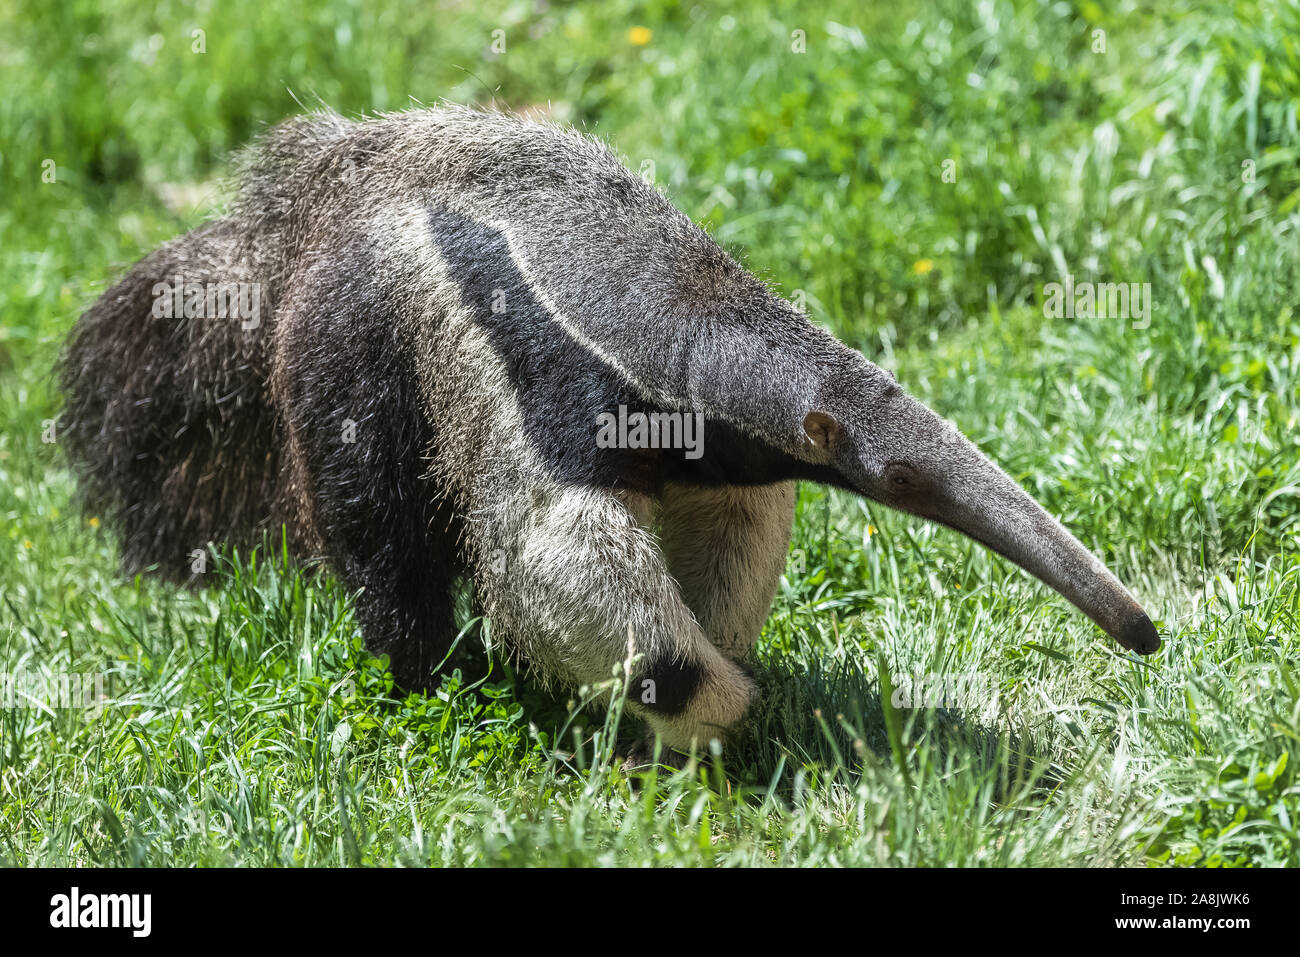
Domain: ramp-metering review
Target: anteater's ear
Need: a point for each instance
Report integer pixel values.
(822, 430)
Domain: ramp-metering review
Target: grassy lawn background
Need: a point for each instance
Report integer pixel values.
(245, 722)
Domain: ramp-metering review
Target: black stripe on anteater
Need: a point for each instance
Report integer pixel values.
(666, 687)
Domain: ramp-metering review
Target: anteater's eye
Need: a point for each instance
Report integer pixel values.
(899, 476)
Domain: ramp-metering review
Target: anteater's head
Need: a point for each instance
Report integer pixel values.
(892, 449)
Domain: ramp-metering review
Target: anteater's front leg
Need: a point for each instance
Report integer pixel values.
(586, 588)
(727, 548)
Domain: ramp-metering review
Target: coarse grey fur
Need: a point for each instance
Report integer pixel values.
(471, 290)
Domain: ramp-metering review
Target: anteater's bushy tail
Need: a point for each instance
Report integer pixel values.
(168, 419)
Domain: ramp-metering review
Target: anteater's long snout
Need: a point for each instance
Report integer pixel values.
(980, 500)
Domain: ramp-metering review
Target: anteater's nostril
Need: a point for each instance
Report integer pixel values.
(1140, 635)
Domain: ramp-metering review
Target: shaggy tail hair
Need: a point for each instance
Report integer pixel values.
(168, 421)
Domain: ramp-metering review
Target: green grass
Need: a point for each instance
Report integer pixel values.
(246, 724)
